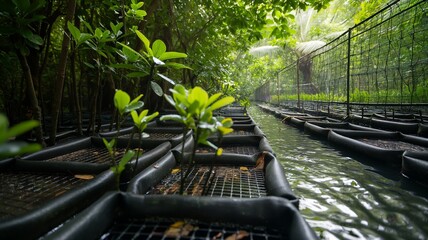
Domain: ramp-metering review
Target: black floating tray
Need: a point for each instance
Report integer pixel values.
(230, 177)
(129, 216)
(32, 203)
(89, 155)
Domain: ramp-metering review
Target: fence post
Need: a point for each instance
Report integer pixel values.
(348, 72)
(298, 83)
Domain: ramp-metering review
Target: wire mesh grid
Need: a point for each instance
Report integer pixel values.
(224, 181)
(98, 155)
(245, 150)
(158, 135)
(188, 229)
(23, 191)
(242, 133)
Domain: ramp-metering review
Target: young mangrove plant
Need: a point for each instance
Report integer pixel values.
(195, 112)
(126, 107)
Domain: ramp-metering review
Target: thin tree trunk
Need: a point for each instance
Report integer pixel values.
(60, 77)
(31, 92)
(75, 95)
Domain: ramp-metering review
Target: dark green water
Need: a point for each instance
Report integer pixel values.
(340, 197)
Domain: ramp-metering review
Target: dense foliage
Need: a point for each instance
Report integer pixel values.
(64, 59)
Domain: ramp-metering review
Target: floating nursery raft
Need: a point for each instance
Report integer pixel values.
(397, 141)
(242, 193)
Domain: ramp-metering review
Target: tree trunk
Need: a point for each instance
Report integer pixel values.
(31, 92)
(60, 77)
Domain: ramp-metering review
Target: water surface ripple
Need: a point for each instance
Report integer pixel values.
(340, 196)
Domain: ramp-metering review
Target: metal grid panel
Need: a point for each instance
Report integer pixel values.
(21, 191)
(97, 155)
(245, 150)
(190, 229)
(158, 135)
(241, 133)
(241, 182)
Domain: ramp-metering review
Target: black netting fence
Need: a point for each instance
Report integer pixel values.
(379, 63)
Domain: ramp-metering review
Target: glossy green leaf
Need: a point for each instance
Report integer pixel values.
(200, 95)
(166, 78)
(121, 100)
(159, 48)
(137, 98)
(133, 106)
(145, 41)
(137, 74)
(156, 88)
(75, 32)
(221, 103)
(172, 117)
(171, 55)
(175, 65)
(213, 98)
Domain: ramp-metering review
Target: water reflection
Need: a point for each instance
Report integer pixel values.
(343, 198)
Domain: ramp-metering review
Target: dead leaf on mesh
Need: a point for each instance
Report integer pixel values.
(218, 236)
(179, 228)
(175, 170)
(238, 235)
(84, 177)
(175, 188)
(243, 168)
(197, 190)
(260, 164)
(59, 193)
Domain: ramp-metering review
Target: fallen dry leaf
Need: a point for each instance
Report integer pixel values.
(217, 236)
(260, 164)
(175, 170)
(179, 228)
(238, 235)
(84, 177)
(243, 168)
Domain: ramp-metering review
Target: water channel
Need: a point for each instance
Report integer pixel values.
(342, 196)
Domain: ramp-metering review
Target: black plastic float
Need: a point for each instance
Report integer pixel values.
(89, 155)
(33, 203)
(119, 214)
(415, 166)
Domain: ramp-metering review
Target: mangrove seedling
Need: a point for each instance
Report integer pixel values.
(195, 112)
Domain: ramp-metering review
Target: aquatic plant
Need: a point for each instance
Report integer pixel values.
(195, 112)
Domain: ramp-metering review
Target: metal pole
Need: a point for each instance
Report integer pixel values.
(348, 72)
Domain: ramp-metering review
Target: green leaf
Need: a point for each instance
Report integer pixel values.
(177, 66)
(130, 54)
(121, 100)
(157, 61)
(14, 149)
(156, 88)
(137, 98)
(172, 55)
(172, 117)
(213, 98)
(221, 103)
(145, 41)
(22, 5)
(166, 78)
(199, 94)
(75, 32)
(133, 106)
(124, 160)
(21, 128)
(158, 48)
(170, 100)
(109, 145)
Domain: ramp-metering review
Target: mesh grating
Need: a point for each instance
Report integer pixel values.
(245, 150)
(190, 229)
(158, 135)
(21, 191)
(97, 155)
(241, 182)
(242, 133)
